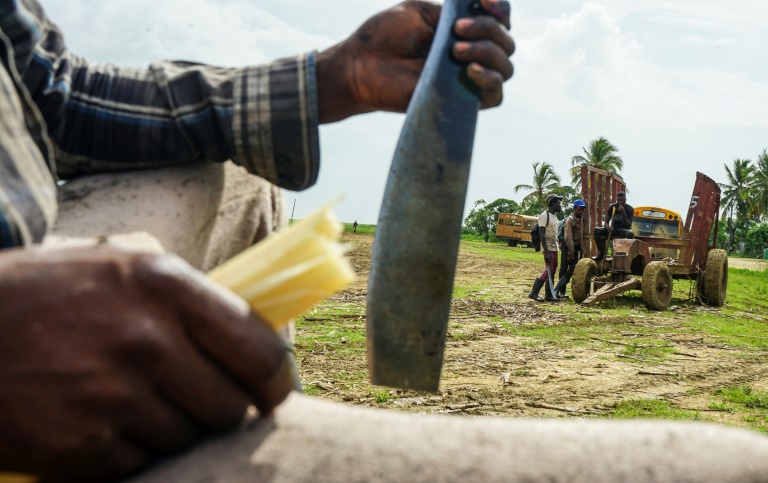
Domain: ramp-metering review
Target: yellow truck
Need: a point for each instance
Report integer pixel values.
(515, 228)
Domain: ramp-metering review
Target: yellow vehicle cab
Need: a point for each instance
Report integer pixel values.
(515, 228)
(653, 221)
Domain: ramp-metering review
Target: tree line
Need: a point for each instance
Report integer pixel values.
(744, 197)
(744, 201)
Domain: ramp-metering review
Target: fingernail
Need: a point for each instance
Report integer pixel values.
(463, 23)
(461, 47)
(476, 68)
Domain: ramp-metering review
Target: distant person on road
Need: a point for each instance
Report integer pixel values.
(354, 227)
(548, 231)
(618, 224)
(570, 246)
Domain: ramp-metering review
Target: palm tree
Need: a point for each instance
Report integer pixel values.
(545, 180)
(758, 187)
(735, 194)
(601, 155)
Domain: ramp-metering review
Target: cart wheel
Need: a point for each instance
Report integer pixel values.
(657, 286)
(512, 243)
(581, 283)
(715, 278)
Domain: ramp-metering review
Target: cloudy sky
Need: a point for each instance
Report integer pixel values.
(677, 86)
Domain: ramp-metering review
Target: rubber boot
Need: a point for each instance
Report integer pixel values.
(537, 284)
(560, 288)
(600, 242)
(550, 297)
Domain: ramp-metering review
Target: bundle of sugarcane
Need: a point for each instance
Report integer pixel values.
(284, 275)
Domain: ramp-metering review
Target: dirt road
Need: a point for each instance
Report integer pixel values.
(748, 263)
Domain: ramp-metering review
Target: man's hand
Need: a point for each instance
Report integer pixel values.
(378, 66)
(110, 358)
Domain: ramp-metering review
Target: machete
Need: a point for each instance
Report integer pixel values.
(417, 236)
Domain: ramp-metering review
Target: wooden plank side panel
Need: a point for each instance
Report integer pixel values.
(598, 190)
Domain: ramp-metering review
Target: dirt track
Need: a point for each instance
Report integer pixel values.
(489, 371)
(748, 263)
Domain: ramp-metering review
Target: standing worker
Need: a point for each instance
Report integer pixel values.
(548, 232)
(618, 224)
(354, 227)
(570, 244)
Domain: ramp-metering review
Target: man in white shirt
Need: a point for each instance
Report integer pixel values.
(548, 232)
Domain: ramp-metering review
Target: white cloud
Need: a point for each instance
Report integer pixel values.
(233, 32)
(585, 63)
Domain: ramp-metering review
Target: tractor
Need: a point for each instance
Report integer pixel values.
(635, 264)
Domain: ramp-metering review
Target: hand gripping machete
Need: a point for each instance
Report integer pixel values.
(417, 236)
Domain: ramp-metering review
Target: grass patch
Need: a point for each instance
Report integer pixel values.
(737, 331)
(749, 402)
(361, 229)
(717, 406)
(381, 397)
(745, 396)
(311, 390)
(497, 251)
(652, 409)
(330, 329)
(747, 290)
(584, 331)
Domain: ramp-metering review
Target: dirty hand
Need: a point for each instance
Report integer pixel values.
(110, 358)
(378, 66)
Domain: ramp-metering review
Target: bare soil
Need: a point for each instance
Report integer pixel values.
(748, 263)
(489, 371)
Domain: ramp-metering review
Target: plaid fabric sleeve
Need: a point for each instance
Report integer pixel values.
(105, 118)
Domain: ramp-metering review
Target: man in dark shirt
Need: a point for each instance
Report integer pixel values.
(618, 224)
(570, 246)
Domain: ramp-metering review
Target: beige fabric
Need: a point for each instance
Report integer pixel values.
(313, 440)
(249, 211)
(205, 213)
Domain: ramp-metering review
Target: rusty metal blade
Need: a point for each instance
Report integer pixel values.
(417, 236)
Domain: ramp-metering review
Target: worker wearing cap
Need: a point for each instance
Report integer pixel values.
(618, 224)
(570, 246)
(548, 224)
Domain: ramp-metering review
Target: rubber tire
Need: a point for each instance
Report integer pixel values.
(512, 243)
(716, 278)
(581, 282)
(657, 286)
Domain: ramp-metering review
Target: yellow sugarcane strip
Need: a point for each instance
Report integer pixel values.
(286, 274)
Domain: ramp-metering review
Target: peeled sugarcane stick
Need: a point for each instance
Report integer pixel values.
(284, 275)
